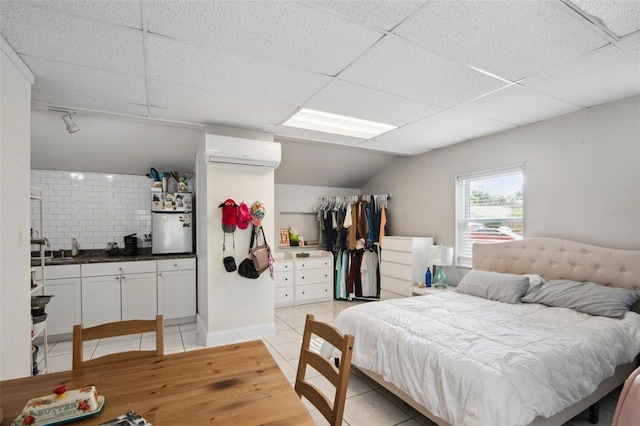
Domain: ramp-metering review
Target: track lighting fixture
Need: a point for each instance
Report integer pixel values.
(71, 126)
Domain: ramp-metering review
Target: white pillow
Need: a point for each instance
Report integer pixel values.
(508, 288)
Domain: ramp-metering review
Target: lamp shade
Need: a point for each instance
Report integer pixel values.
(440, 255)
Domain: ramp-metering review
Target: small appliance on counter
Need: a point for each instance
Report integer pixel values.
(130, 245)
(171, 222)
(112, 249)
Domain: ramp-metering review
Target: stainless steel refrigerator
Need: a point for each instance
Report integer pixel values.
(171, 222)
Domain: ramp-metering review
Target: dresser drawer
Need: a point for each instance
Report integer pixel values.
(283, 279)
(284, 296)
(282, 265)
(397, 244)
(314, 293)
(395, 285)
(312, 276)
(315, 263)
(396, 256)
(397, 270)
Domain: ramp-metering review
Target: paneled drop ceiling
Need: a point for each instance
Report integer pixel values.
(441, 71)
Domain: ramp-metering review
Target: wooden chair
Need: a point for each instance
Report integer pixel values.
(338, 377)
(113, 329)
(628, 407)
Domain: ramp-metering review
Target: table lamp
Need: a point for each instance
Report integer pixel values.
(440, 256)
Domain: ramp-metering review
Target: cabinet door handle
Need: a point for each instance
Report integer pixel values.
(175, 265)
(303, 265)
(159, 274)
(117, 278)
(123, 277)
(286, 279)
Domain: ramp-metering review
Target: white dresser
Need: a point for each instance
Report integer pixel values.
(300, 280)
(403, 261)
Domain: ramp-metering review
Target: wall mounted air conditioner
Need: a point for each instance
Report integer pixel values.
(227, 149)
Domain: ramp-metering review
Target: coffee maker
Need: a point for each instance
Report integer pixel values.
(130, 245)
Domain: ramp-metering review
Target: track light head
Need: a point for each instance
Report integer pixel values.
(71, 126)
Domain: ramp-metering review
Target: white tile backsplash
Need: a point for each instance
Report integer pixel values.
(94, 208)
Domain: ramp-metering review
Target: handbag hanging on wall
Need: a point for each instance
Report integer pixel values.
(229, 261)
(260, 253)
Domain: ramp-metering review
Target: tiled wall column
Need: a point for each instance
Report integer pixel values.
(94, 208)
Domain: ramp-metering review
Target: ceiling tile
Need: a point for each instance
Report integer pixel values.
(517, 105)
(211, 104)
(119, 12)
(284, 32)
(76, 80)
(340, 97)
(381, 14)
(85, 102)
(181, 116)
(228, 73)
(391, 147)
(312, 135)
(622, 17)
(396, 67)
(419, 136)
(609, 74)
(630, 45)
(71, 39)
(510, 39)
(467, 126)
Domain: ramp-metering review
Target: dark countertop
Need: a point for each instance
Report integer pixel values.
(101, 256)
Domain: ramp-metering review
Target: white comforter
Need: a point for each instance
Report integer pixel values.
(473, 361)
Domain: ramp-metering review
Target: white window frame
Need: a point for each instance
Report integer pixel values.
(461, 220)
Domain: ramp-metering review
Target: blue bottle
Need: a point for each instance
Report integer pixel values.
(427, 278)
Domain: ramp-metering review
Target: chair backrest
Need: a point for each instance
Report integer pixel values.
(628, 407)
(338, 377)
(113, 329)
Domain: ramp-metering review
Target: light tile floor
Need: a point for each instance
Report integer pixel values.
(367, 403)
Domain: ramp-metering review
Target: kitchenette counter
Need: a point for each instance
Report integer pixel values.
(101, 256)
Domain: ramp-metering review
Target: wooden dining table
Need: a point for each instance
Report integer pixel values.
(237, 384)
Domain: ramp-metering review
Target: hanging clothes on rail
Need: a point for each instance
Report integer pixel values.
(352, 227)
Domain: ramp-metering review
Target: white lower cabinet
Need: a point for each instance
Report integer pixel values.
(118, 291)
(177, 288)
(101, 300)
(65, 308)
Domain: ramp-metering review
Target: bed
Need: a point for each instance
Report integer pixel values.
(466, 360)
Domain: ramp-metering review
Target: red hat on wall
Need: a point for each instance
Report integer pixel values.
(229, 215)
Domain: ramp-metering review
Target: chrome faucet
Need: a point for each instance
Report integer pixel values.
(61, 252)
(47, 241)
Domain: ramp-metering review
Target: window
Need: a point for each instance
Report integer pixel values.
(489, 208)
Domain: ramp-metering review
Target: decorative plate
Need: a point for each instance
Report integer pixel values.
(17, 422)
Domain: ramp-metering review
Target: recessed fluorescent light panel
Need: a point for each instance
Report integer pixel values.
(338, 124)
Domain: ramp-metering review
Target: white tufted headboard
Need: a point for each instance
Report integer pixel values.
(554, 258)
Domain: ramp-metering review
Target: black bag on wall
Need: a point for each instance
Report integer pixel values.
(247, 269)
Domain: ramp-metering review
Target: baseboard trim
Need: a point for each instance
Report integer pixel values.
(236, 335)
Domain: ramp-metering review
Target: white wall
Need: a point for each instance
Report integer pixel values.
(231, 308)
(582, 178)
(15, 148)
